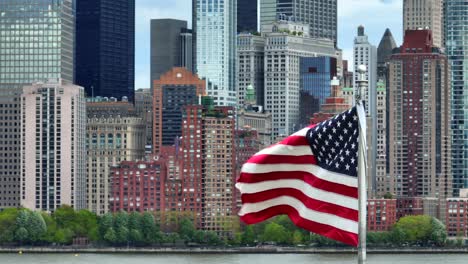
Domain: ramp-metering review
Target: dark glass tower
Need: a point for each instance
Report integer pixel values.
(247, 14)
(105, 47)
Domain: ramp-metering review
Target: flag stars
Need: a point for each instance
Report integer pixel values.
(347, 167)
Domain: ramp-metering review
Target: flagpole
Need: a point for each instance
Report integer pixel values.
(362, 168)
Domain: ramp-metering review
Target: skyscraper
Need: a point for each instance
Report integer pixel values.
(247, 16)
(420, 162)
(366, 54)
(27, 57)
(384, 51)
(174, 90)
(216, 27)
(53, 150)
(281, 51)
(320, 15)
(171, 46)
(316, 74)
(105, 47)
(456, 43)
(425, 14)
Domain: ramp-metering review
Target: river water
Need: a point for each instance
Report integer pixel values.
(229, 258)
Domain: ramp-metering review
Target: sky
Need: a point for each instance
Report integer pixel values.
(374, 15)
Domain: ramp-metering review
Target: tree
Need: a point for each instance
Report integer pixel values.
(416, 228)
(439, 232)
(148, 229)
(135, 237)
(110, 236)
(8, 225)
(186, 230)
(36, 227)
(248, 237)
(275, 233)
(297, 238)
(388, 196)
(105, 223)
(21, 235)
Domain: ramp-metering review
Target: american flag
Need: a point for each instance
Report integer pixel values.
(311, 176)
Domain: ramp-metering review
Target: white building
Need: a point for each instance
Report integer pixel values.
(366, 54)
(53, 149)
(216, 31)
(284, 44)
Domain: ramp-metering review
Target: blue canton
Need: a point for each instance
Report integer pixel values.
(335, 143)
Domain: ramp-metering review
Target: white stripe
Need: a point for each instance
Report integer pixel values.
(304, 212)
(280, 149)
(302, 132)
(306, 189)
(317, 171)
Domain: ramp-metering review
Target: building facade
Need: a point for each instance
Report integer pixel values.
(114, 133)
(457, 52)
(381, 214)
(53, 152)
(315, 86)
(320, 15)
(216, 31)
(283, 51)
(174, 90)
(171, 46)
(383, 183)
(425, 14)
(20, 64)
(144, 109)
(251, 67)
(105, 47)
(420, 104)
(456, 217)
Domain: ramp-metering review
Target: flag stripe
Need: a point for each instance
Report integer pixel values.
(295, 141)
(280, 149)
(300, 175)
(313, 204)
(315, 170)
(308, 190)
(329, 231)
(311, 215)
(281, 159)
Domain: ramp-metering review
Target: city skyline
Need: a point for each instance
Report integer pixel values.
(351, 14)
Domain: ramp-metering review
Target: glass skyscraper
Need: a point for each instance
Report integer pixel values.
(36, 44)
(36, 41)
(456, 37)
(215, 28)
(105, 47)
(247, 16)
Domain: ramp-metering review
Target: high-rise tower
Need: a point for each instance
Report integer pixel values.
(456, 12)
(425, 14)
(28, 57)
(105, 47)
(216, 31)
(420, 162)
(171, 46)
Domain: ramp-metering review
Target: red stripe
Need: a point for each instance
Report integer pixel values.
(295, 141)
(282, 159)
(303, 176)
(310, 203)
(321, 229)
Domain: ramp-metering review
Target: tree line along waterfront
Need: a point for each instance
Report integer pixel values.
(22, 227)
